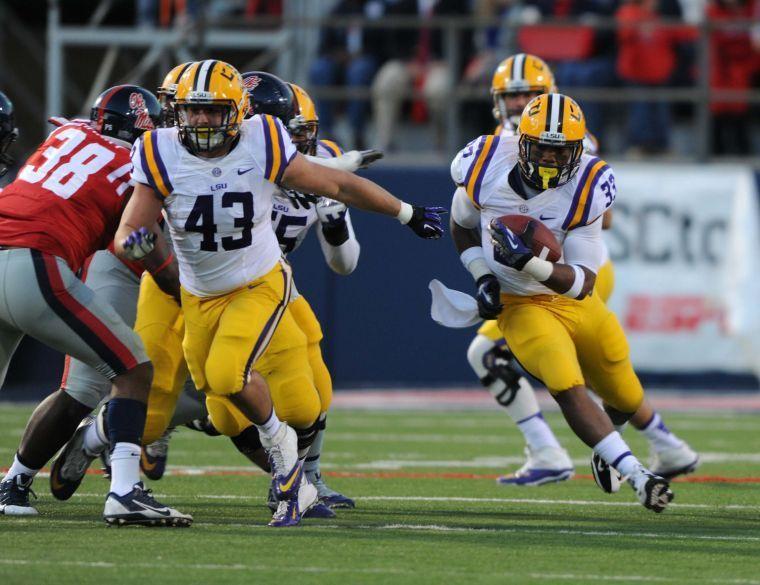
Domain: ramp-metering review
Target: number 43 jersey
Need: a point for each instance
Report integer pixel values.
(219, 210)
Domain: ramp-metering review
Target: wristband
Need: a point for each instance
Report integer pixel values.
(580, 279)
(163, 265)
(539, 269)
(474, 261)
(405, 214)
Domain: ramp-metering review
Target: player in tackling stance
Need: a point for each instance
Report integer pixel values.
(552, 323)
(214, 175)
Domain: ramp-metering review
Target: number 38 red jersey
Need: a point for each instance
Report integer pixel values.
(68, 197)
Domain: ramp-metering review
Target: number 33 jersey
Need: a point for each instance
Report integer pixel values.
(219, 210)
(487, 169)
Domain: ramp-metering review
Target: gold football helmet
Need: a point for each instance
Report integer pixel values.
(166, 92)
(304, 125)
(552, 128)
(210, 104)
(519, 76)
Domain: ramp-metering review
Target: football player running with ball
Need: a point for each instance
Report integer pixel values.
(516, 81)
(214, 175)
(556, 329)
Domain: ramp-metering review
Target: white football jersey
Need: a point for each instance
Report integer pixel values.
(219, 210)
(293, 216)
(483, 168)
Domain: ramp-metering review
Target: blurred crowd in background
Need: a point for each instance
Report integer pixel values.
(390, 86)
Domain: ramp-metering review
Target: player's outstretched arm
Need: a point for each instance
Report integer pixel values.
(354, 191)
(139, 238)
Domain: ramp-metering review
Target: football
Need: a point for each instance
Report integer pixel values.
(545, 245)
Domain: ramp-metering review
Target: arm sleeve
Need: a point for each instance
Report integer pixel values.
(463, 210)
(344, 258)
(346, 162)
(583, 246)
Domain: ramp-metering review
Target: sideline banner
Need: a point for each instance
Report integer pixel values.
(674, 243)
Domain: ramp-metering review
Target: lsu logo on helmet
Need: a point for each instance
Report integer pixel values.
(552, 129)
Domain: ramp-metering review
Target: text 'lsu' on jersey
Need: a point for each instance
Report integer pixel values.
(219, 210)
(483, 168)
(293, 213)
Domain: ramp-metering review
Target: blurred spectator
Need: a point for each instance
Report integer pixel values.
(417, 62)
(349, 56)
(647, 57)
(733, 62)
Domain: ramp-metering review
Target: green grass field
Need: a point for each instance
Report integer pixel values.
(428, 511)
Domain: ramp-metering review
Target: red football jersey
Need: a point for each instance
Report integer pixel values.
(68, 197)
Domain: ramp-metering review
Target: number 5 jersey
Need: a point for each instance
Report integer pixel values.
(219, 210)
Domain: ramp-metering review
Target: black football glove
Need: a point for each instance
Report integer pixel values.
(426, 221)
(488, 297)
(509, 248)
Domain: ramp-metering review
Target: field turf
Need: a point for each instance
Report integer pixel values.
(428, 511)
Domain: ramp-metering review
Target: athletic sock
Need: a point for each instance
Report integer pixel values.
(311, 465)
(538, 434)
(126, 420)
(18, 468)
(269, 429)
(125, 467)
(94, 441)
(614, 450)
(659, 436)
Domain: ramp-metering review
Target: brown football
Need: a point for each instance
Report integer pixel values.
(545, 245)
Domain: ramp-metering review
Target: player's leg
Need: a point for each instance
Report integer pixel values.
(61, 311)
(224, 337)
(83, 387)
(671, 455)
(308, 323)
(495, 366)
(542, 335)
(604, 356)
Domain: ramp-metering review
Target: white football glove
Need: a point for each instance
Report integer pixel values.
(139, 244)
(330, 212)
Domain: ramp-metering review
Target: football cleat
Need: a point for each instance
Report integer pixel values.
(71, 464)
(141, 508)
(671, 463)
(290, 511)
(652, 490)
(287, 470)
(605, 476)
(329, 496)
(545, 465)
(154, 456)
(14, 496)
(105, 461)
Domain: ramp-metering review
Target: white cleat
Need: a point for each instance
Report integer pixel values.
(545, 465)
(652, 490)
(140, 507)
(671, 463)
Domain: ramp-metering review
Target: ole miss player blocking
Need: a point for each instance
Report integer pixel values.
(63, 206)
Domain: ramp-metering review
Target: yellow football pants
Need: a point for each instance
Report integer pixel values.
(308, 323)
(557, 340)
(605, 283)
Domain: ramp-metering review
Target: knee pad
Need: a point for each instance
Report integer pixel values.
(493, 362)
(226, 417)
(248, 442)
(617, 417)
(306, 436)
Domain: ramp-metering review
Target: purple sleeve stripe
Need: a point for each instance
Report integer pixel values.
(577, 196)
(268, 146)
(474, 160)
(590, 198)
(483, 168)
(284, 166)
(280, 129)
(160, 164)
(145, 168)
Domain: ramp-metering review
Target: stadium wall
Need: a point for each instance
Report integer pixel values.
(673, 229)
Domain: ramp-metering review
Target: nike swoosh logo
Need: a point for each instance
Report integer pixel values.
(285, 487)
(162, 511)
(512, 241)
(57, 485)
(542, 218)
(146, 463)
(252, 286)
(244, 171)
